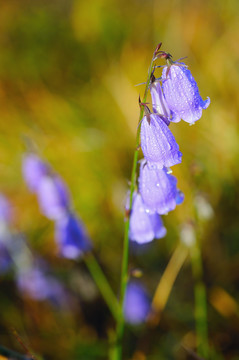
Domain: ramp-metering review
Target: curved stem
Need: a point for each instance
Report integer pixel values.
(102, 284)
(167, 280)
(200, 302)
(117, 354)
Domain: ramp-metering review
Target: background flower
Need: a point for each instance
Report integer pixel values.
(137, 303)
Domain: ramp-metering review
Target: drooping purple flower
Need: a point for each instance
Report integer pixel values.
(34, 169)
(53, 197)
(158, 143)
(160, 107)
(158, 189)
(144, 227)
(182, 94)
(136, 304)
(71, 237)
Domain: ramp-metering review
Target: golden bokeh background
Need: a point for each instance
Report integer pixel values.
(68, 70)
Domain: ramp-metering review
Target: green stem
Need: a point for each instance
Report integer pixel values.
(200, 302)
(102, 284)
(117, 353)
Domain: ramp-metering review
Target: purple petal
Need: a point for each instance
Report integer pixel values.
(158, 143)
(33, 169)
(182, 94)
(157, 225)
(136, 304)
(144, 227)
(5, 259)
(158, 189)
(71, 237)
(53, 197)
(160, 107)
(179, 197)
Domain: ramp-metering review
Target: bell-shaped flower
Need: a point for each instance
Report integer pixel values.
(158, 190)
(71, 237)
(33, 169)
(136, 303)
(159, 104)
(53, 197)
(144, 227)
(182, 94)
(158, 143)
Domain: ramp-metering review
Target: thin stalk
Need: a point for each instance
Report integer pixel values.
(200, 302)
(102, 284)
(117, 353)
(9, 354)
(167, 280)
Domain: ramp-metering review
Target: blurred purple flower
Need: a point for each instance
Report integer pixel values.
(158, 143)
(136, 304)
(53, 197)
(71, 237)
(5, 218)
(160, 107)
(34, 169)
(34, 283)
(5, 258)
(5, 210)
(182, 94)
(144, 227)
(158, 190)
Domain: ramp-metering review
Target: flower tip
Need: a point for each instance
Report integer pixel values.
(206, 103)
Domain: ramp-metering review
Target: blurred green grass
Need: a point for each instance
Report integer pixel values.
(68, 71)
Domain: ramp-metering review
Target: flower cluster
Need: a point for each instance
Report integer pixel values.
(177, 98)
(31, 274)
(54, 202)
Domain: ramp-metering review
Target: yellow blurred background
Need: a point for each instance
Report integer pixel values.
(68, 70)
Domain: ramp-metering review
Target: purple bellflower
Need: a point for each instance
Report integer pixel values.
(144, 227)
(71, 237)
(160, 107)
(158, 143)
(34, 169)
(182, 94)
(158, 190)
(136, 304)
(53, 197)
